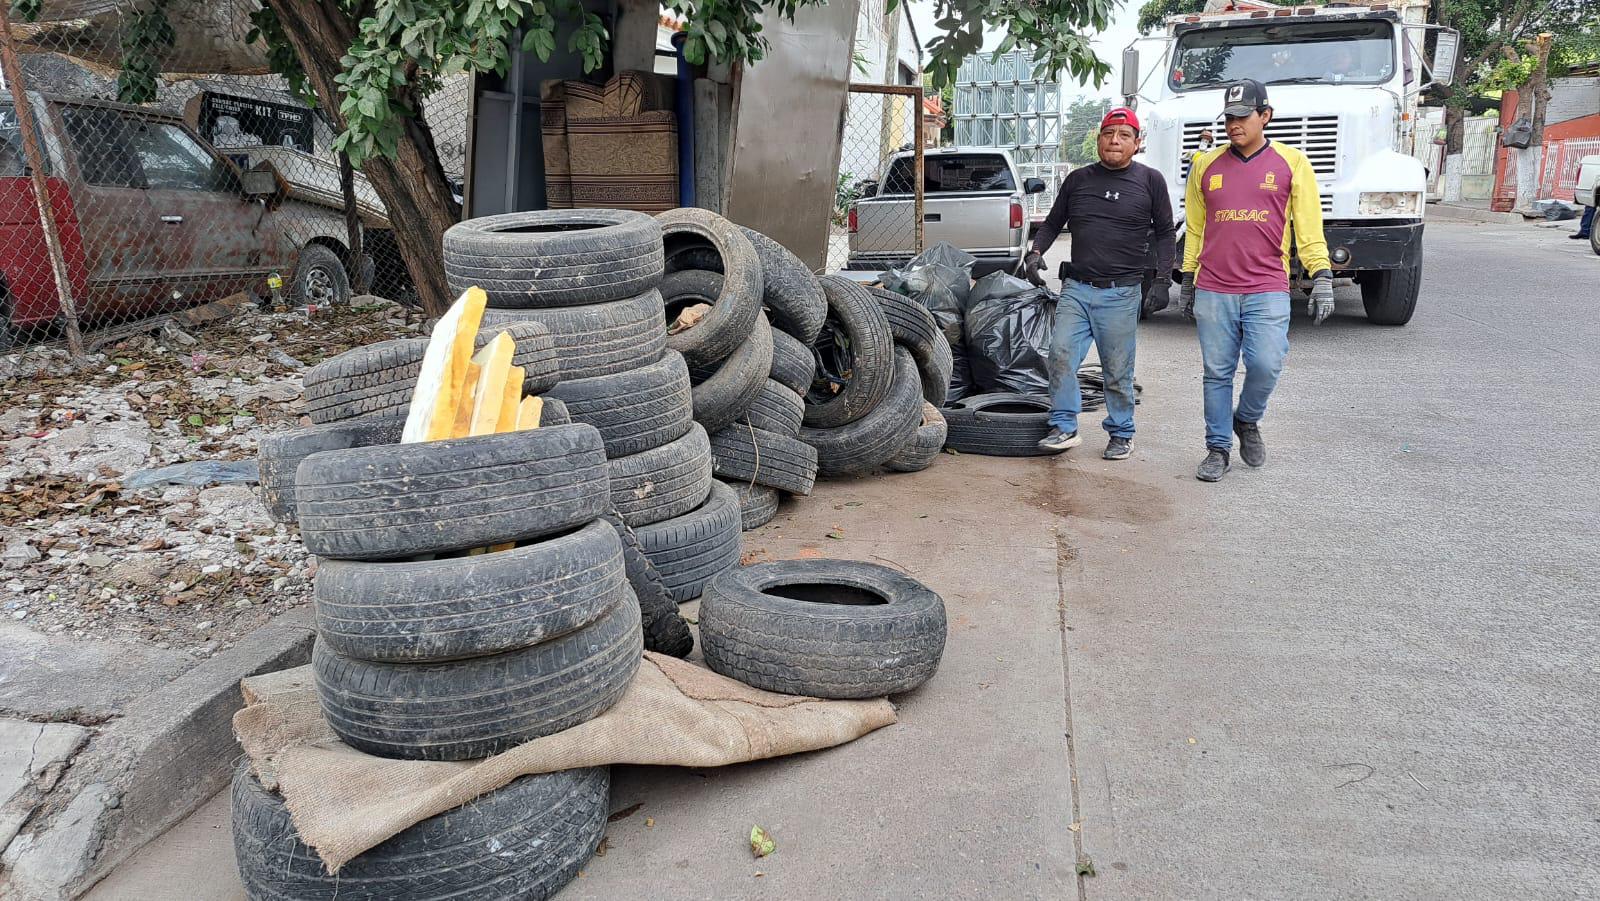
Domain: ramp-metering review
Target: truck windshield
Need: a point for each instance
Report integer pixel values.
(1358, 52)
(950, 174)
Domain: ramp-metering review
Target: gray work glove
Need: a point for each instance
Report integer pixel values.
(1321, 304)
(1032, 265)
(1159, 297)
(1186, 297)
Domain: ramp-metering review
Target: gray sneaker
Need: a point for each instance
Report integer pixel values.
(1214, 466)
(1118, 448)
(1058, 441)
(1252, 450)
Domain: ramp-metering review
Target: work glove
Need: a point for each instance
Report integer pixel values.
(1320, 306)
(1186, 297)
(1032, 265)
(1159, 297)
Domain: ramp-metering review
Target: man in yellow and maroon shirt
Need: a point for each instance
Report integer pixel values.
(1247, 205)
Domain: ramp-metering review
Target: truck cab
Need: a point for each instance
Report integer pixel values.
(1344, 83)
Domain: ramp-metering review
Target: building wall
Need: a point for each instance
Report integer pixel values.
(1572, 98)
(999, 103)
(877, 126)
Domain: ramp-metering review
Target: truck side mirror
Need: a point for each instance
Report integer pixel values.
(1033, 186)
(258, 183)
(1446, 46)
(1130, 72)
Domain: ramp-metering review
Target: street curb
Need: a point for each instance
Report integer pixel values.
(1456, 213)
(148, 770)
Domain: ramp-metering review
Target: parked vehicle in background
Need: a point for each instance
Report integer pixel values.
(1588, 193)
(151, 219)
(972, 198)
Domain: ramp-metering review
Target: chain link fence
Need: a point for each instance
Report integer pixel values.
(878, 217)
(211, 186)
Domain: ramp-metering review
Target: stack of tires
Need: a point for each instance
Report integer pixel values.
(743, 311)
(591, 277)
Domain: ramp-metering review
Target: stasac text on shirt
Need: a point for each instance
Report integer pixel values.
(1115, 215)
(1244, 215)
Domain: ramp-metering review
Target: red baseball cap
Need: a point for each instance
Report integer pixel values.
(1121, 115)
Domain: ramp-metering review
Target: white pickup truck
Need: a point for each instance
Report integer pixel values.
(972, 198)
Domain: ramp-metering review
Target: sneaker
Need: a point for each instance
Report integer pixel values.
(1118, 448)
(1214, 466)
(1252, 450)
(1058, 441)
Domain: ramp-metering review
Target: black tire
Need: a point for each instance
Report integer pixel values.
(712, 338)
(279, 455)
(554, 413)
(320, 278)
(636, 410)
(743, 454)
(665, 630)
(467, 709)
(554, 258)
(758, 504)
(998, 425)
(1390, 296)
(402, 500)
(472, 605)
(727, 393)
(864, 348)
(524, 841)
(793, 364)
(823, 628)
(860, 447)
(791, 293)
(925, 444)
(735, 296)
(776, 409)
(689, 550)
(662, 482)
(915, 329)
(599, 339)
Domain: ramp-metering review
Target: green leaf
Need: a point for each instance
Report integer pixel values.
(195, 419)
(761, 843)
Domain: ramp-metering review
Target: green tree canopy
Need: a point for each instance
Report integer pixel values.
(1079, 130)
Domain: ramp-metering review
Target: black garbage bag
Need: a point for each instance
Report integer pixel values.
(1007, 335)
(960, 375)
(939, 278)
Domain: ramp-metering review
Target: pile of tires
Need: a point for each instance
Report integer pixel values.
(743, 311)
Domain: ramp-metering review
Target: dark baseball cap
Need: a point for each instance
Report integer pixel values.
(1244, 97)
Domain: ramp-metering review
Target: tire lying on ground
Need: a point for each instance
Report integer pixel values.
(524, 840)
(665, 630)
(279, 455)
(466, 709)
(823, 628)
(745, 454)
(733, 290)
(554, 258)
(915, 329)
(860, 447)
(403, 500)
(662, 482)
(857, 336)
(998, 425)
(470, 605)
(636, 410)
(758, 504)
(924, 446)
(726, 393)
(689, 550)
(597, 339)
(776, 409)
(793, 365)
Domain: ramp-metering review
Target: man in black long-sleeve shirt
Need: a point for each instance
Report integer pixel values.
(1116, 209)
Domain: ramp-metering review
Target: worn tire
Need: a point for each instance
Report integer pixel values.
(743, 454)
(733, 290)
(689, 550)
(665, 629)
(728, 391)
(758, 504)
(790, 291)
(715, 336)
(793, 364)
(598, 339)
(915, 329)
(636, 410)
(862, 323)
(776, 409)
(662, 482)
(467, 709)
(402, 500)
(524, 841)
(1390, 296)
(320, 278)
(925, 444)
(860, 447)
(279, 455)
(555, 413)
(844, 629)
(998, 425)
(452, 608)
(554, 258)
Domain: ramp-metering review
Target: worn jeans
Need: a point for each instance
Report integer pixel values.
(1110, 318)
(1586, 223)
(1255, 326)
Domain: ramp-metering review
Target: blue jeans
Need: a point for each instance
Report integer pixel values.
(1110, 318)
(1254, 325)
(1586, 223)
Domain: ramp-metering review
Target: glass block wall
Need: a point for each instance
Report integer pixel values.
(999, 103)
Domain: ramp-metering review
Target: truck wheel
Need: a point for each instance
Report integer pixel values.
(1390, 296)
(320, 279)
(1594, 239)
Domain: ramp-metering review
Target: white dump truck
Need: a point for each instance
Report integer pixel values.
(1344, 81)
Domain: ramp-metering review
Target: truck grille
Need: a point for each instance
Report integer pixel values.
(1315, 136)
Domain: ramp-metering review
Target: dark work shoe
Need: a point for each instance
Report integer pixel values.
(1118, 448)
(1214, 466)
(1252, 450)
(1059, 441)
(1580, 236)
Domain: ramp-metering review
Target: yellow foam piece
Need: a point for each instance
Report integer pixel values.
(442, 380)
(463, 421)
(531, 411)
(489, 394)
(511, 404)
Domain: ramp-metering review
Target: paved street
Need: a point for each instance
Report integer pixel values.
(1368, 670)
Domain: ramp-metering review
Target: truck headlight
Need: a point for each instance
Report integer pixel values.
(1389, 203)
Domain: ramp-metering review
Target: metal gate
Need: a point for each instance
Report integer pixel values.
(877, 212)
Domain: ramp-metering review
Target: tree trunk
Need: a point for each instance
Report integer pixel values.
(1531, 100)
(352, 226)
(412, 184)
(1454, 129)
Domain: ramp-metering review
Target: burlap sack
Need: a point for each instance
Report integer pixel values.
(675, 713)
